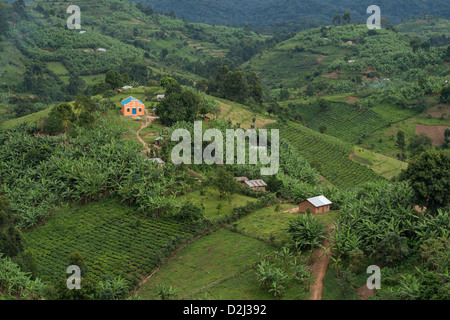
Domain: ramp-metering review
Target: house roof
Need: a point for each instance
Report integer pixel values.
(256, 183)
(319, 201)
(159, 138)
(129, 99)
(159, 160)
(160, 96)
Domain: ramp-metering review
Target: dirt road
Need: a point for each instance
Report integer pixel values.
(320, 267)
(148, 121)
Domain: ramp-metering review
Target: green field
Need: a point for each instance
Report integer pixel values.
(267, 222)
(385, 166)
(31, 118)
(217, 266)
(112, 238)
(211, 200)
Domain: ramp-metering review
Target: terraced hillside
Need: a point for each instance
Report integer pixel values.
(112, 238)
(332, 154)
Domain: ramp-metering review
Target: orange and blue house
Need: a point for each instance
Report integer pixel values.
(132, 107)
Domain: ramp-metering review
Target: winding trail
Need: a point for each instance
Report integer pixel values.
(320, 267)
(148, 120)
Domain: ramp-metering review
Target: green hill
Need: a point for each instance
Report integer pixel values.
(145, 45)
(287, 15)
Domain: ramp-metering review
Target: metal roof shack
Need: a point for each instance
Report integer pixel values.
(158, 160)
(315, 205)
(257, 184)
(319, 201)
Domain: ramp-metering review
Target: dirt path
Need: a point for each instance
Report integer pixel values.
(320, 267)
(148, 121)
(364, 292)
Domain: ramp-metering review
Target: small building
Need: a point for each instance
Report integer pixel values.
(127, 87)
(82, 31)
(101, 50)
(257, 185)
(159, 140)
(158, 160)
(207, 118)
(160, 97)
(241, 180)
(318, 204)
(132, 107)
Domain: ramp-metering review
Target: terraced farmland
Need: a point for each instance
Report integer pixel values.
(331, 153)
(345, 122)
(110, 236)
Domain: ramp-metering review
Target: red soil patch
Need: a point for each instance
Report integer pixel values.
(333, 75)
(353, 99)
(319, 59)
(436, 133)
(440, 111)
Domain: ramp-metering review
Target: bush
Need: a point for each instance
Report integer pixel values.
(306, 232)
(392, 249)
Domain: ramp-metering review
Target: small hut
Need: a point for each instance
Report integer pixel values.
(318, 204)
(257, 185)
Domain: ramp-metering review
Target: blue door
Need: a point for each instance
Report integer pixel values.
(134, 111)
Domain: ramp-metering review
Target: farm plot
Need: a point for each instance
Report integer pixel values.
(345, 122)
(271, 225)
(215, 206)
(110, 236)
(206, 263)
(331, 153)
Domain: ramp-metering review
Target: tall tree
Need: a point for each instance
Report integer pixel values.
(337, 19)
(429, 175)
(347, 17)
(224, 182)
(401, 140)
(114, 79)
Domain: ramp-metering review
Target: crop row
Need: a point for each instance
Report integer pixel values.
(332, 155)
(111, 238)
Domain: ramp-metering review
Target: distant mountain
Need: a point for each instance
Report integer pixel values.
(264, 14)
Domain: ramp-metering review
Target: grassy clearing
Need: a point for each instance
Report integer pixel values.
(31, 118)
(215, 206)
(268, 223)
(237, 113)
(385, 166)
(244, 287)
(210, 259)
(57, 68)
